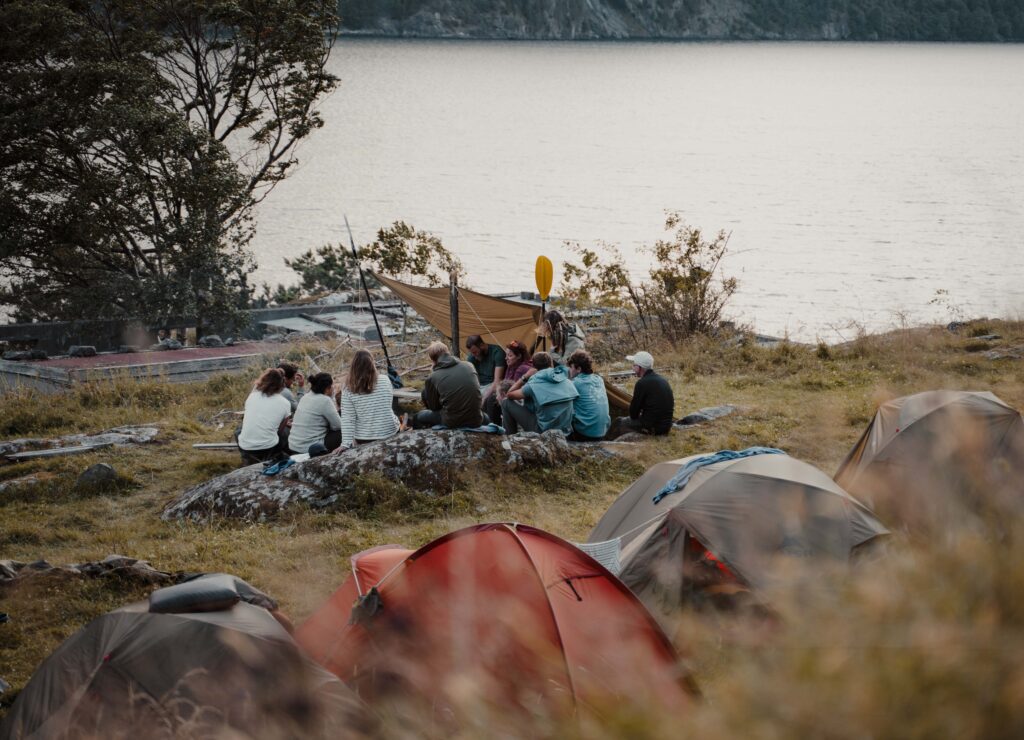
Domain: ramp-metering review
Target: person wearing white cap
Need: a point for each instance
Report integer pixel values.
(653, 405)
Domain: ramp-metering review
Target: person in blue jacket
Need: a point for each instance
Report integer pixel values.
(590, 415)
(540, 400)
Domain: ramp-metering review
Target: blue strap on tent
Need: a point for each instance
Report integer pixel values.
(680, 479)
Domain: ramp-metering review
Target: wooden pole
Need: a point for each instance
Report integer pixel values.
(369, 298)
(453, 302)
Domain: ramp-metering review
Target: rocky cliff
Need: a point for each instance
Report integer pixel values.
(940, 20)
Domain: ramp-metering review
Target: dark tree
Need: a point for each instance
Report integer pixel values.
(135, 138)
(400, 251)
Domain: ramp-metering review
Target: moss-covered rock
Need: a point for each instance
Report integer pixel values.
(426, 462)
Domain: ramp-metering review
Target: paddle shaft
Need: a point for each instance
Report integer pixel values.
(369, 300)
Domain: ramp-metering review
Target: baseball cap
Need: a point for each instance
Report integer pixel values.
(643, 359)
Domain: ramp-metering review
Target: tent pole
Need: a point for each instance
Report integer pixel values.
(453, 302)
(369, 300)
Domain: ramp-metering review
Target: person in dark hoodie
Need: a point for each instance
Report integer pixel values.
(653, 405)
(451, 394)
(547, 395)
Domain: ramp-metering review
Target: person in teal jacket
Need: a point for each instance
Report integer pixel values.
(547, 396)
(590, 415)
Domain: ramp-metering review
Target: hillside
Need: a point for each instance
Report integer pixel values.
(855, 20)
(951, 607)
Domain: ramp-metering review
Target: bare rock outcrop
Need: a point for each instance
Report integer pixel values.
(119, 436)
(430, 462)
(113, 566)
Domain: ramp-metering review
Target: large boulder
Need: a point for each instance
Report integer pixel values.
(430, 462)
(98, 476)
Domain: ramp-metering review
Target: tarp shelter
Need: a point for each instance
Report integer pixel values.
(132, 673)
(497, 320)
(498, 615)
(747, 520)
(930, 455)
(618, 399)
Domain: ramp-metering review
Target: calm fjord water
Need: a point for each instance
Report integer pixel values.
(856, 179)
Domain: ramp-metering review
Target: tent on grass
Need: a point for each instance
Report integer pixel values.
(929, 458)
(503, 616)
(736, 523)
(229, 672)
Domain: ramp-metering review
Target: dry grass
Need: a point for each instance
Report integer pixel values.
(926, 643)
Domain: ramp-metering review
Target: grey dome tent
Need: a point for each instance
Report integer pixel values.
(932, 457)
(136, 674)
(734, 521)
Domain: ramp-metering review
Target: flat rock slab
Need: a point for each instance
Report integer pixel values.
(112, 566)
(427, 461)
(128, 435)
(707, 414)
(1008, 353)
(23, 482)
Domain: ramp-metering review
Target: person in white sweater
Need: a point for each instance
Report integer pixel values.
(366, 413)
(264, 432)
(316, 419)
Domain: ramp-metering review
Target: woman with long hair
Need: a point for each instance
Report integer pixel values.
(366, 413)
(517, 364)
(565, 338)
(264, 432)
(316, 419)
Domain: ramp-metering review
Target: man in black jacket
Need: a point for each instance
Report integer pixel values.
(653, 406)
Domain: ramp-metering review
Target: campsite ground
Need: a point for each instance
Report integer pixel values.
(929, 642)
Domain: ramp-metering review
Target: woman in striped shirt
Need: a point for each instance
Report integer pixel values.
(366, 413)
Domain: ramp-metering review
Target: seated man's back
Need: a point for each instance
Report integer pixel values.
(454, 391)
(551, 393)
(653, 403)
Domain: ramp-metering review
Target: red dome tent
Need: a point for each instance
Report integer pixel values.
(503, 614)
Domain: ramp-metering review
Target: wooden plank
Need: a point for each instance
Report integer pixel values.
(55, 452)
(620, 374)
(406, 394)
(215, 446)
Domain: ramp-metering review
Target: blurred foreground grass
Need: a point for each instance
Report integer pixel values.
(924, 642)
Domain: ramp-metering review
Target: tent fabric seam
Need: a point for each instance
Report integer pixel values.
(547, 601)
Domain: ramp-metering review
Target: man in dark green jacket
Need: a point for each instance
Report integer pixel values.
(451, 393)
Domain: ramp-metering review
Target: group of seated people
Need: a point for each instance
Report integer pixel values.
(279, 422)
(514, 388)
